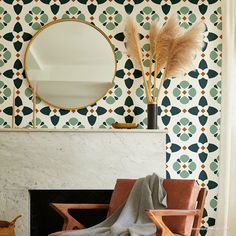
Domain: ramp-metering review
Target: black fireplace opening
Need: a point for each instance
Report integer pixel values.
(45, 220)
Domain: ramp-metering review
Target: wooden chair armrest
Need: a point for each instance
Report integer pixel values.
(70, 222)
(68, 206)
(175, 212)
(156, 217)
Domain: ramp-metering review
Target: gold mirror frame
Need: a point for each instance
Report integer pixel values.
(56, 22)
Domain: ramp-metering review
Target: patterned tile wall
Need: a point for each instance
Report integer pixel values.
(189, 108)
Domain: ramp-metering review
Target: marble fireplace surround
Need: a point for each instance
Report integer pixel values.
(71, 159)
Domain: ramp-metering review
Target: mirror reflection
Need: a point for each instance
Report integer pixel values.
(70, 63)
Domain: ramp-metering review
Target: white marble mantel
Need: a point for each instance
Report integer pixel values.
(71, 159)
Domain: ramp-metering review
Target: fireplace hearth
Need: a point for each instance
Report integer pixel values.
(45, 220)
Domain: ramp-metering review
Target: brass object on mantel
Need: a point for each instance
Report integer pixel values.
(124, 125)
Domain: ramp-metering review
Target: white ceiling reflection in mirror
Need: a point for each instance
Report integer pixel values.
(70, 64)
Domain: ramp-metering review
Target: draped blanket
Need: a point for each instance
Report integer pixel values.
(131, 219)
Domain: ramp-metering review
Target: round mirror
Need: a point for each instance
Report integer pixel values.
(70, 64)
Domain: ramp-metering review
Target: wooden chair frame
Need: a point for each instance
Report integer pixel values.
(70, 222)
(156, 216)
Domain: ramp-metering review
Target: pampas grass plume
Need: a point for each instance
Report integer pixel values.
(134, 50)
(165, 39)
(133, 41)
(183, 51)
(154, 33)
(172, 48)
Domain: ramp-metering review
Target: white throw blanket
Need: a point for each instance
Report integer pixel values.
(131, 219)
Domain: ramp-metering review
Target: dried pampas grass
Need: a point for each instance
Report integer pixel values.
(170, 47)
(164, 42)
(182, 52)
(134, 50)
(154, 32)
(153, 35)
(132, 40)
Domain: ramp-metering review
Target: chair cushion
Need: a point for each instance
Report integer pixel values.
(120, 194)
(181, 194)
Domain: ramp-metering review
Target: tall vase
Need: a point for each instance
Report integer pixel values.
(152, 116)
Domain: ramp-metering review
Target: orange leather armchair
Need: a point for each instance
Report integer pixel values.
(185, 204)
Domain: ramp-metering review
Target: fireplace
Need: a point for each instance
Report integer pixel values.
(45, 220)
(35, 162)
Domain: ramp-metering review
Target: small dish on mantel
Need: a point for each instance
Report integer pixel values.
(118, 125)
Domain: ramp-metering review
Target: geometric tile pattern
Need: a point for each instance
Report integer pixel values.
(189, 107)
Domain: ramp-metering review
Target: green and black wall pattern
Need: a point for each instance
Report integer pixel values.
(189, 107)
